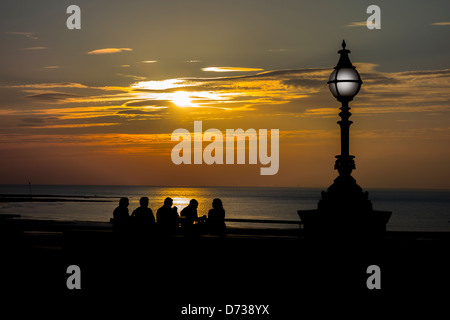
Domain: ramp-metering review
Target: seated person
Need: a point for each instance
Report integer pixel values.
(189, 215)
(121, 220)
(216, 216)
(167, 217)
(142, 217)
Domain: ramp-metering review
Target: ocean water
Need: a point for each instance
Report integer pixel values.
(413, 210)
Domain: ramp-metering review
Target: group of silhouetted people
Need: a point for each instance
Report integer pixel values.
(168, 222)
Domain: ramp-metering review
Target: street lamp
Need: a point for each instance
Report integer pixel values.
(344, 209)
(344, 84)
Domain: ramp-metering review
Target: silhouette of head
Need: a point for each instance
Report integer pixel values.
(168, 201)
(123, 202)
(193, 203)
(217, 204)
(143, 202)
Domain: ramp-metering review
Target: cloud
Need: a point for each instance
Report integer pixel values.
(75, 85)
(110, 143)
(160, 84)
(146, 111)
(312, 83)
(230, 69)
(373, 110)
(154, 104)
(37, 121)
(302, 91)
(52, 67)
(34, 120)
(132, 76)
(235, 92)
(381, 93)
(35, 48)
(366, 67)
(283, 74)
(55, 97)
(149, 61)
(446, 23)
(30, 35)
(109, 50)
(48, 85)
(420, 91)
(193, 61)
(78, 125)
(357, 24)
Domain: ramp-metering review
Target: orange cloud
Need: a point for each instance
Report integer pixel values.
(35, 48)
(109, 50)
(230, 69)
(446, 23)
(357, 24)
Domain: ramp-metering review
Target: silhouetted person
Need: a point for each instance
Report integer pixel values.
(167, 217)
(216, 218)
(142, 217)
(189, 216)
(121, 221)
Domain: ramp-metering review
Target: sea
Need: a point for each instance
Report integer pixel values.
(412, 209)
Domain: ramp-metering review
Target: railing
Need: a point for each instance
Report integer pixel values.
(265, 221)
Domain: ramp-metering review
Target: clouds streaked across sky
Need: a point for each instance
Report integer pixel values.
(382, 92)
(94, 101)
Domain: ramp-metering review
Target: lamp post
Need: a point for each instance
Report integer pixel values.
(344, 84)
(344, 193)
(344, 208)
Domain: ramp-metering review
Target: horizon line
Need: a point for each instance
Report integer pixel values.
(210, 186)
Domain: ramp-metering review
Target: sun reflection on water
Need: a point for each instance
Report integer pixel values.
(180, 202)
(181, 197)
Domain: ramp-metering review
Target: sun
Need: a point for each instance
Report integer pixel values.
(182, 99)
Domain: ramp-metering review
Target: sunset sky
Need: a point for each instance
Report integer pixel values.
(98, 105)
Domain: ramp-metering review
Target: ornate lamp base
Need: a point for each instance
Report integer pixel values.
(345, 195)
(344, 211)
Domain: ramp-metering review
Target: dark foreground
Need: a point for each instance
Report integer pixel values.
(156, 277)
